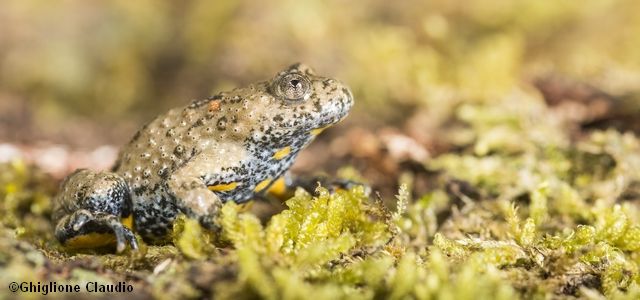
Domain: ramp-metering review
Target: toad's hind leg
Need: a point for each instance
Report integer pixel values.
(310, 184)
(94, 210)
(284, 187)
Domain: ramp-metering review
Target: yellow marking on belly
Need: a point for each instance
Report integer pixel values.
(278, 188)
(282, 153)
(91, 240)
(317, 131)
(127, 221)
(262, 185)
(223, 187)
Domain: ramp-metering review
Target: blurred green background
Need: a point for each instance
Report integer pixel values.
(85, 73)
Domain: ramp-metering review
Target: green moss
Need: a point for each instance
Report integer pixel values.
(191, 239)
(303, 243)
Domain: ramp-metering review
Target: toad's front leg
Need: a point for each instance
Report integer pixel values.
(87, 229)
(194, 197)
(94, 210)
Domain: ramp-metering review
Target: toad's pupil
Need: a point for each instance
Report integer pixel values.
(296, 83)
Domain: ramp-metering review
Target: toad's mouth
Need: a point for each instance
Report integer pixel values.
(337, 113)
(320, 129)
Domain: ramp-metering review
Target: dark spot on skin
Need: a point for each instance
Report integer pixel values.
(222, 123)
(179, 150)
(136, 136)
(317, 107)
(215, 97)
(140, 191)
(163, 173)
(200, 122)
(171, 132)
(278, 118)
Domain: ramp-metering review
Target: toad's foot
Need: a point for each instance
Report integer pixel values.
(332, 184)
(84, 229)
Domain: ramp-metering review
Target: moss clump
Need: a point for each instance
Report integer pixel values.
(191, 239)
(304, 244)
(25, 208)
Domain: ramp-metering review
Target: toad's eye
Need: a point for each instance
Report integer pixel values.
(293, 87)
